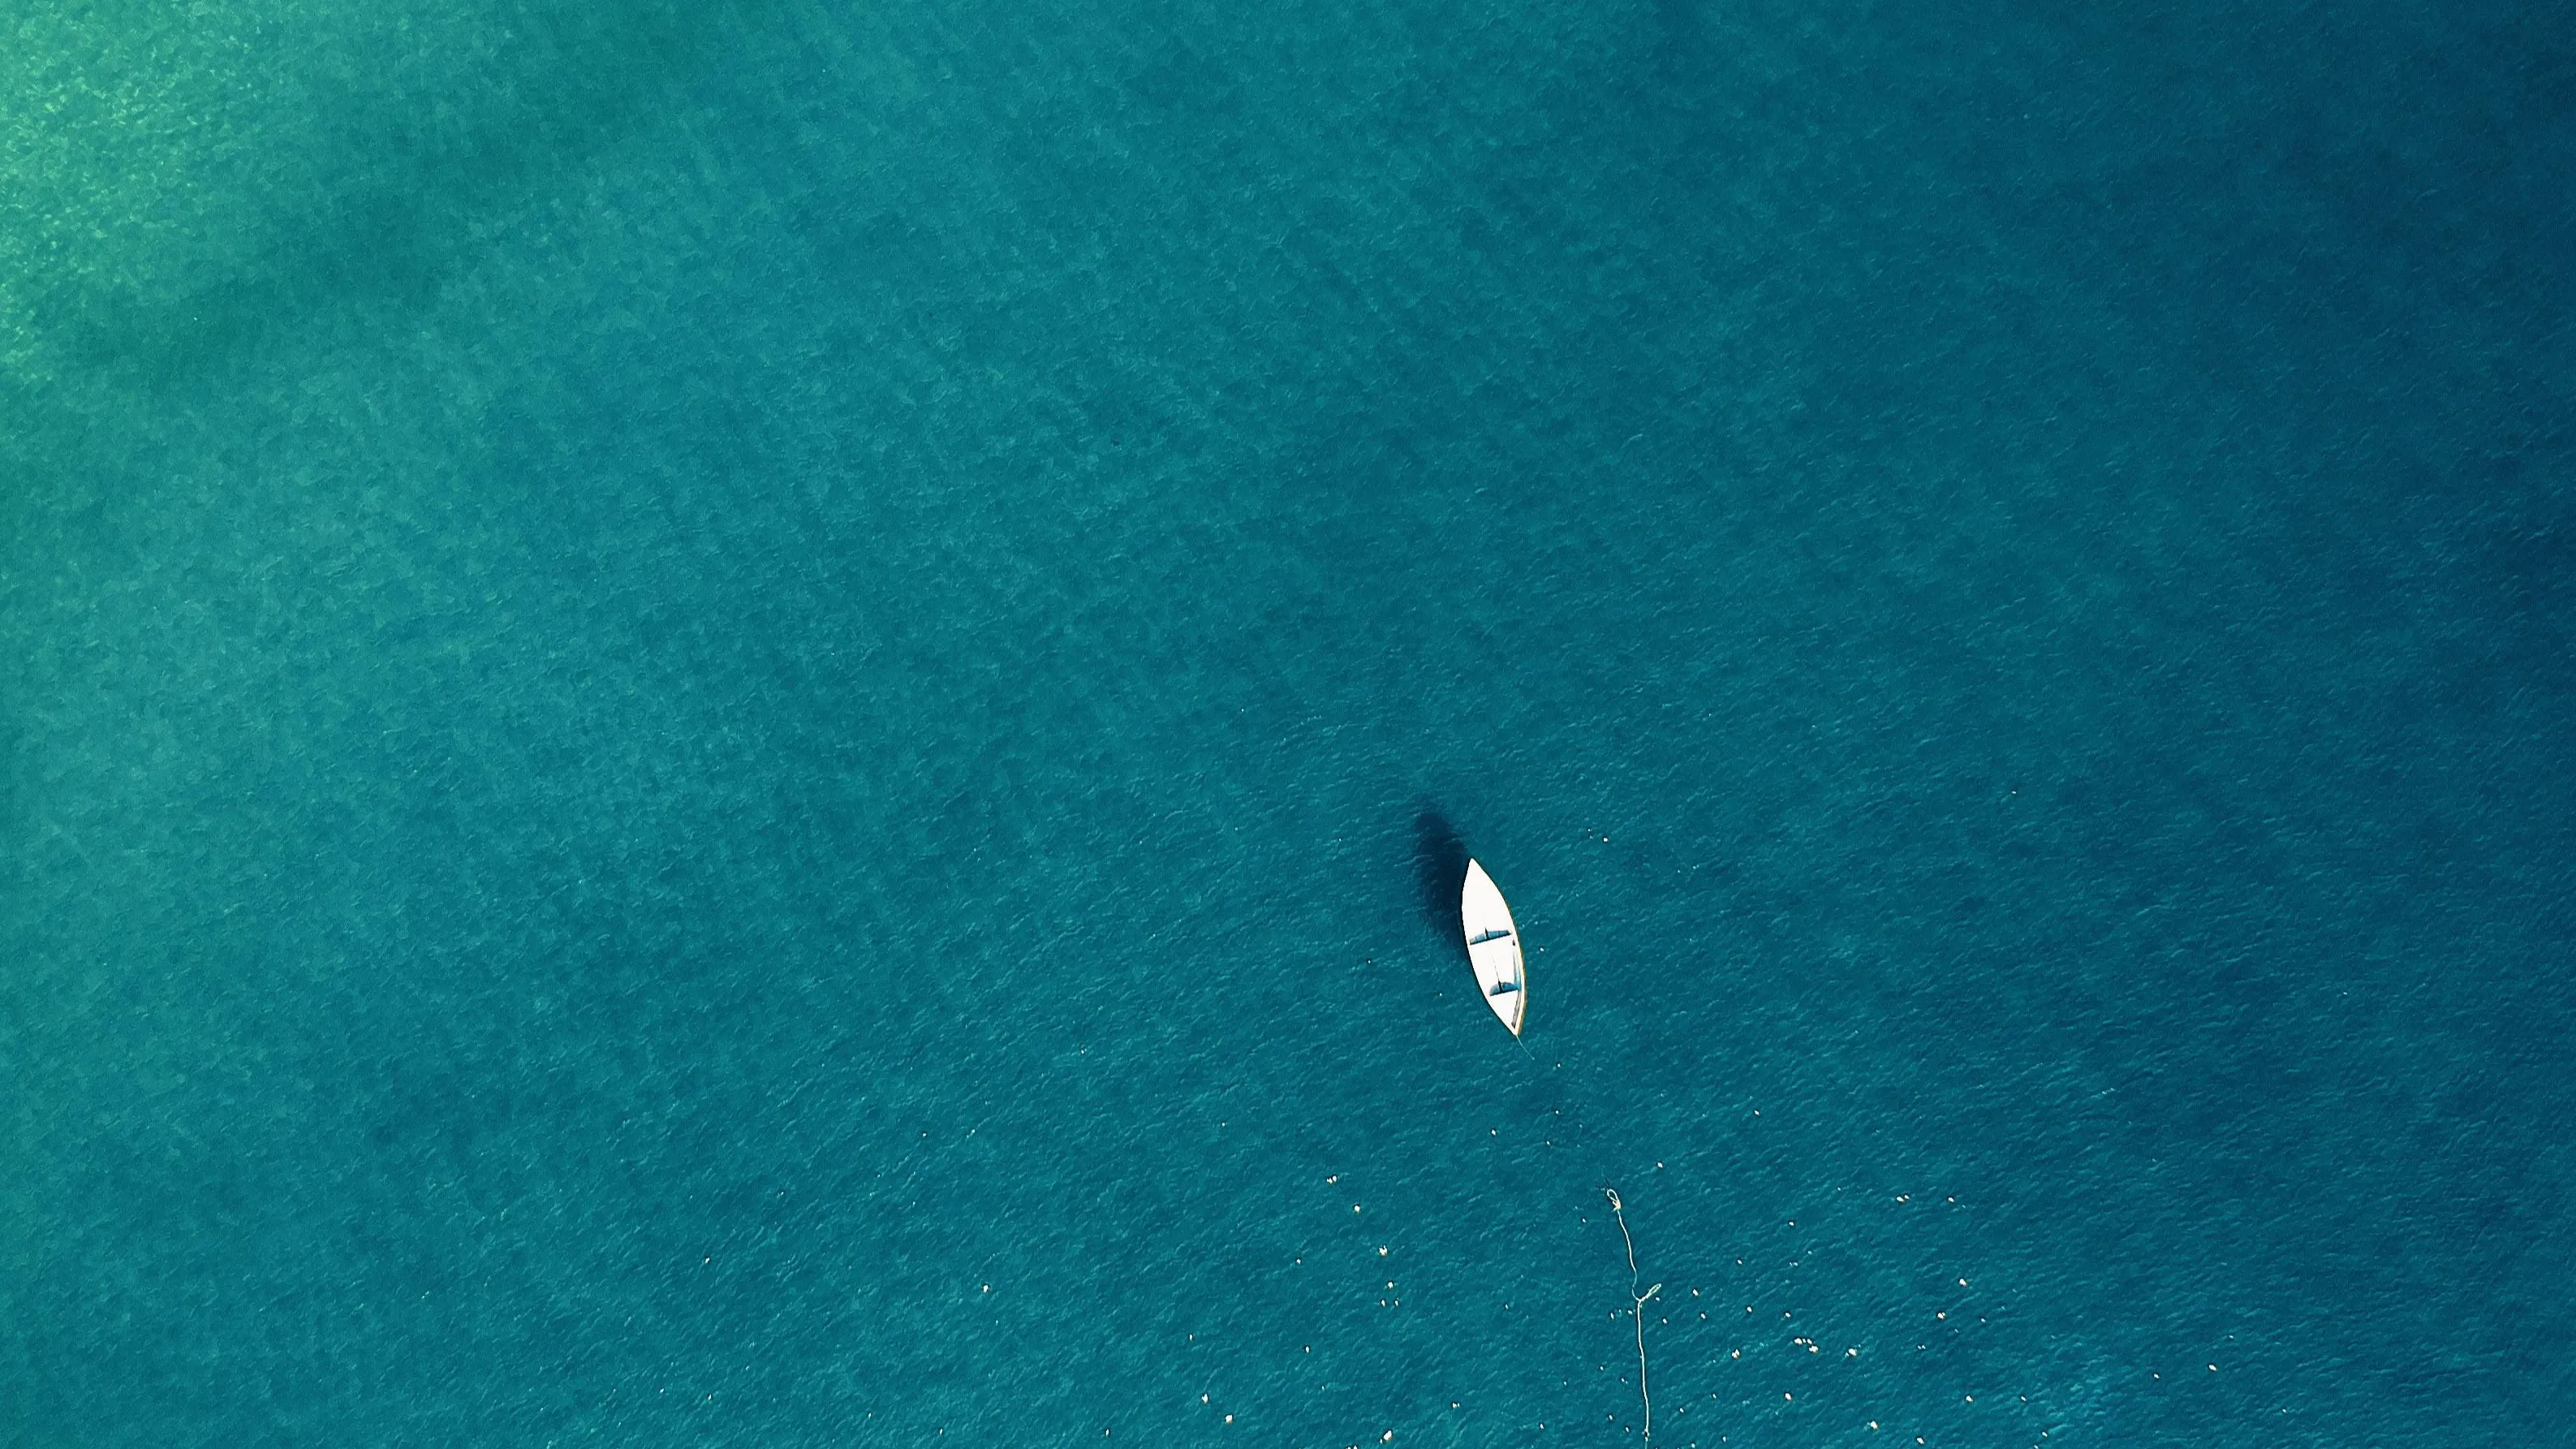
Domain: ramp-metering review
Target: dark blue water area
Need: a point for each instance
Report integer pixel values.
(754, 724)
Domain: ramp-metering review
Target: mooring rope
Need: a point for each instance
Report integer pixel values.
(1638, 1310)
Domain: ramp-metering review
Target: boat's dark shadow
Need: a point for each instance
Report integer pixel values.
(1440, 870)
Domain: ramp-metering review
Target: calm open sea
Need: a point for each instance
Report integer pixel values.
(750, 724)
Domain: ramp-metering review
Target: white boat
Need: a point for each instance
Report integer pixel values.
(1494, 946)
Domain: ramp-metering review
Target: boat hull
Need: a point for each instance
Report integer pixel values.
(1494, 947)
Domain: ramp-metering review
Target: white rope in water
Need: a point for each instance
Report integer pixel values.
(1638, 1311)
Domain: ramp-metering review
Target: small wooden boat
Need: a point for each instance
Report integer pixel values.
(1494, 946)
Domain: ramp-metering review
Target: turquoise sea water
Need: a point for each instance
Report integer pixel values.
(744, 724)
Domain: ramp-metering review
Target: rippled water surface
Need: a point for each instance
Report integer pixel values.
(751, 724)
